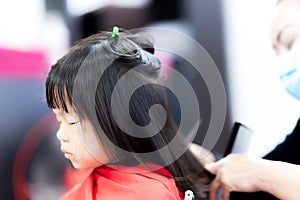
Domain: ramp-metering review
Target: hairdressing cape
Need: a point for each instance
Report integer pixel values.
(126, 183)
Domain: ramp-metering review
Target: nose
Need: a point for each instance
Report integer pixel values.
(62, 135)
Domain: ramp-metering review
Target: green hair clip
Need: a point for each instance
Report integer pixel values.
(115, 32)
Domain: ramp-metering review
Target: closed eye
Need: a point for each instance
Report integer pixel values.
(287, 36)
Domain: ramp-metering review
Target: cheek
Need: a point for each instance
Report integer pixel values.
(83, 159)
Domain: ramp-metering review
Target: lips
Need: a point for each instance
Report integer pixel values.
(66, 153)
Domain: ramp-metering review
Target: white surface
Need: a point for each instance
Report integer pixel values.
(21, 23)
(79, 7)
(25, 25)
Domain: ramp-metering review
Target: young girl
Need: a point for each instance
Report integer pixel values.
(104, 96)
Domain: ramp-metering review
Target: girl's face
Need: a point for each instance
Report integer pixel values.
(71, 144)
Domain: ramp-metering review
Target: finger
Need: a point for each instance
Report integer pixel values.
(225, 194)
(214, 188)
(211, 167)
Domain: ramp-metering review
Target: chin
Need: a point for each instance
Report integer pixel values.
(80, 166)
(76, 165)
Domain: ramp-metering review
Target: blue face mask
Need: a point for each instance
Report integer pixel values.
(289, 70)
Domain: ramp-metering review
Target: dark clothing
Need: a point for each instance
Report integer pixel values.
(287, 151)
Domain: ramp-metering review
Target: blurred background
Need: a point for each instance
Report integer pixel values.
(35, 33)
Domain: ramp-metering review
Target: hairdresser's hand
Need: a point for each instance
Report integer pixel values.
(236, 172)
(203, 155)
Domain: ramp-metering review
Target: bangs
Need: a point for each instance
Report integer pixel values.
(60, 80)
(57, 94)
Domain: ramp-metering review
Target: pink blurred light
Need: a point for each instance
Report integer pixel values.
(23, 64)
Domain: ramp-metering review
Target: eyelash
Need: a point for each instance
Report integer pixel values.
(68, 123)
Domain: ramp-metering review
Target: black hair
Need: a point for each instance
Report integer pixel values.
(87, 77)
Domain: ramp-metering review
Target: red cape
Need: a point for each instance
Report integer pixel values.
(125, 183)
